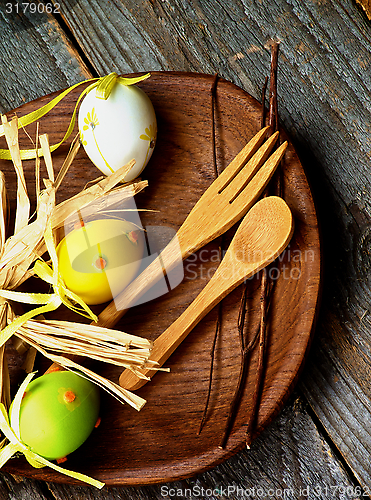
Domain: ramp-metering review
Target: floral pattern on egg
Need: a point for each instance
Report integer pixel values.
(118, 129)
(82, 139)
(91, 122)
(150, 135)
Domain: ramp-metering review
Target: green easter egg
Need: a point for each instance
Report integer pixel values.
(58, 412)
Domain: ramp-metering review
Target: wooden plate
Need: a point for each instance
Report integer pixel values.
(161, 442)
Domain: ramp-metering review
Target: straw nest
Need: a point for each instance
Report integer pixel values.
(31, 251)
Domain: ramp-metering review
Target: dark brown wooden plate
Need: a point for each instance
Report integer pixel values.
(161, 442)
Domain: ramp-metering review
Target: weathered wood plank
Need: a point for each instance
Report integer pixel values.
(336, 382)
(324, 81)
(125, 37)
(36, 58)
(290, 460)
(324, 76)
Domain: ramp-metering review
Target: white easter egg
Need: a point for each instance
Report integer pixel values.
(115, 130)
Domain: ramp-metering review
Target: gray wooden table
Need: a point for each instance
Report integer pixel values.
(320, 444)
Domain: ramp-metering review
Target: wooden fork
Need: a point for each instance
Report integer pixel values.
(225, 202)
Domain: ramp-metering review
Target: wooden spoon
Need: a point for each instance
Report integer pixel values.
(261, 237)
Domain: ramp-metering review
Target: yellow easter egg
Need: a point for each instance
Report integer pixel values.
(98, 260)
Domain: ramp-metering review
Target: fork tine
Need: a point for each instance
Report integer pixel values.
(244, 176)
(262, 176)
(230, 172)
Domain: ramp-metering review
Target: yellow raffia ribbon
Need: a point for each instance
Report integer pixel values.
(51, 276)
(11, 431)
(68, 298)
(104, 86)
(50, 302)
(47, 302)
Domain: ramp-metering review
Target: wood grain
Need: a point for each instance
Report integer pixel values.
(36, 58)
(324, 77)
(366, 6)
(292, 443)
(121, 450)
